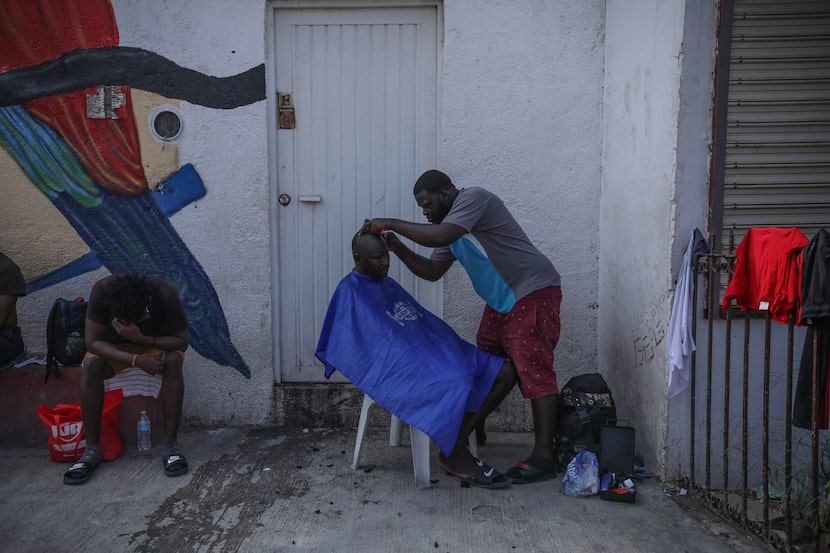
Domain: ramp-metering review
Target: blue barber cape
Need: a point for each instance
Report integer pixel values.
(405, 358)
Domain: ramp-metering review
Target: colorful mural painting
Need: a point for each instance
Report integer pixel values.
(67, 119)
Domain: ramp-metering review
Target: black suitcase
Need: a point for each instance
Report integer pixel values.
(616, 464)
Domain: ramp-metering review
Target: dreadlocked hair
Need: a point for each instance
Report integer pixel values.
(127, 298)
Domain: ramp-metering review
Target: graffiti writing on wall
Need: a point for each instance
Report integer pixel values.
(646, 345)
(645, 328)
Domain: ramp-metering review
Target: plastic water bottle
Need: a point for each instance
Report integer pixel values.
(145, 437)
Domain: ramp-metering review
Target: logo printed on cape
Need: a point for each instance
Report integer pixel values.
(403, 311)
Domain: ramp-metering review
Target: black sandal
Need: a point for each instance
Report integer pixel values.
(175, 465)
(79, 473)
(534, 469)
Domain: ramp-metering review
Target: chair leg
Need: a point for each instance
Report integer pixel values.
(395, 431)
(419, 443)
(420, 457)
(361, 429)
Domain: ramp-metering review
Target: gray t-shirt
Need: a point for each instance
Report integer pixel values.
(503, 265)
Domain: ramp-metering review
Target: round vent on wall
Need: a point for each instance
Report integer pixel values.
(166, 123)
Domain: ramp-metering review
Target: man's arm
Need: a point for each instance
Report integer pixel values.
(178, 341)
(151, 364)
(425, 268)
(425, 234)
(95, 343)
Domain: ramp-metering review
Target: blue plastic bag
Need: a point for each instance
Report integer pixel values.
(582, 475)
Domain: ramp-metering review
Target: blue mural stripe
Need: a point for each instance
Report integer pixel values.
(135, 67)
(45, 157)
(179, 190)
(84, 264)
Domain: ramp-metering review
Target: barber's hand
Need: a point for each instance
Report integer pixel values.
(376, 226)
(151, 363)
(131, 332)
(392, 240)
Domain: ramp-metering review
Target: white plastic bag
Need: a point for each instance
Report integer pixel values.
(582, 476)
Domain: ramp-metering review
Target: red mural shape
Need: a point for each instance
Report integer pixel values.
(97, 123)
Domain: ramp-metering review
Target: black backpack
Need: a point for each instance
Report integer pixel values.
(65, 342)
(586, 404)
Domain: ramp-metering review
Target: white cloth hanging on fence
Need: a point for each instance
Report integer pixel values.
(681, 343)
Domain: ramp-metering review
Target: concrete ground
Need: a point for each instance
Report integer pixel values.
(283, 490)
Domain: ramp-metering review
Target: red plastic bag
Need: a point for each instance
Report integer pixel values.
(66, 429)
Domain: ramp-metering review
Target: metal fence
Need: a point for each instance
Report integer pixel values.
(747, 460)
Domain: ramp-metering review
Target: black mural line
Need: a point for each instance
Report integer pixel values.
(134, 67)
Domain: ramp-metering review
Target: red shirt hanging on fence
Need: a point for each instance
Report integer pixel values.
(768, 272)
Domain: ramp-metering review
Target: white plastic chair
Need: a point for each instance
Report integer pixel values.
(420, 444)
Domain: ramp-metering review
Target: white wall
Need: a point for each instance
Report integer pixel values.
(522, 93)
(653, 195)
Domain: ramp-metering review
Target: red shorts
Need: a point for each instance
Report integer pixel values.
(527, 335)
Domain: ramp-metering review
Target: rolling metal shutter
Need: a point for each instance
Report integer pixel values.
(776, 171)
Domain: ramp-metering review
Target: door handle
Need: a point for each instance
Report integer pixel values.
(311, 199)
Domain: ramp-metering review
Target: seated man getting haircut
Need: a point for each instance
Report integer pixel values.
(411, 362)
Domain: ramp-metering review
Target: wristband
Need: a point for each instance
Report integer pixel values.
(134, 356)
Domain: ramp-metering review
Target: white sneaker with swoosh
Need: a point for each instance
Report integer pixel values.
(486, 477)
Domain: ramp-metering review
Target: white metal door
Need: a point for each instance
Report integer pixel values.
(363, 89)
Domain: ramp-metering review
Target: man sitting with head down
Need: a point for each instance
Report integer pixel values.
(411, 362)
(132, 321)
